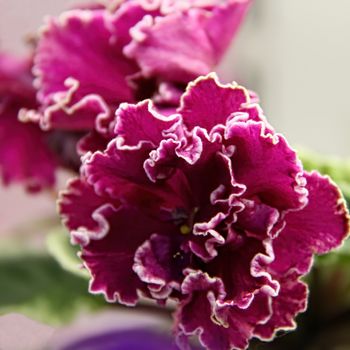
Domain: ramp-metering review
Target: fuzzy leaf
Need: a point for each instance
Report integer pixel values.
(65, 253)
(335, 167)
(39, 288)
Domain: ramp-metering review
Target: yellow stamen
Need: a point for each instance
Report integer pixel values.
(185, 229)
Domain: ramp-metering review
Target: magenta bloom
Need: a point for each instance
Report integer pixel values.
(90, 60)
(208, 207)
(24, 155)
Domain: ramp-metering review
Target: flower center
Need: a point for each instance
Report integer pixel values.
(184, 220)
(185, 229)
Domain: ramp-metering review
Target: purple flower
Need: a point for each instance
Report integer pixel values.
(209, 207)
(90, 60)
(24, 155)
(117, 330)
(113, 330)
(133, 339)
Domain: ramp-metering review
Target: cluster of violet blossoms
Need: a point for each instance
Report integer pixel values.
(185, 192)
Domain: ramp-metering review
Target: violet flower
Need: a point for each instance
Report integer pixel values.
(24, 154)
(116, 330)
(133, 339)
(90, 60)
(209, 207)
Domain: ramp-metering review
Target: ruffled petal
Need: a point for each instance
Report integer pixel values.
(69, 112)
(188, 41)
(159, 263)
(92, 142)
(110, 259)
(79, 195)
(80, 46)
(198, 109)
(107, 170)
(126, 16)
(109, 236)
(259, 220)
(150, 125)
(266, 165)
(291, 300)
(241, 266)
(321, 226)
(218, 327)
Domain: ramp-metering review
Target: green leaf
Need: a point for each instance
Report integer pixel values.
(330, 283)
(39, 288)
(336, 167)
(65, 253)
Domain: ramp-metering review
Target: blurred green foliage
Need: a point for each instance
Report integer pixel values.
(65, 253)
(36, 286)
(336, 167)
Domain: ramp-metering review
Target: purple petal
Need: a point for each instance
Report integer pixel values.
(266, 165)
(78, 206)
(92, 142)
(240, 265)
(159, 263)
(217, 327)
(67, 112)
(101, 228)
(111, 259)
(198, 109)
(150, 125)
(24, 153)
(259, 220)
(291, 300)
(109, 170)
(80, 46)
(321, 226)
(189, 41)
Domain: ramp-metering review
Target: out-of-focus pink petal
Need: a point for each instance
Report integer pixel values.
(189, 41)
(25, 156)
(80, 47)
